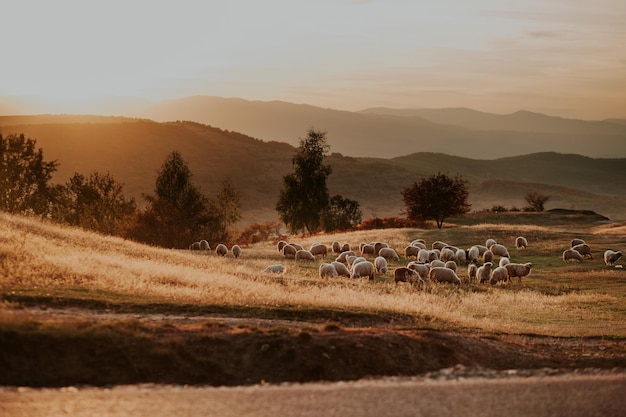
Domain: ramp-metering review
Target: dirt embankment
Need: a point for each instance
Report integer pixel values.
(60, 348)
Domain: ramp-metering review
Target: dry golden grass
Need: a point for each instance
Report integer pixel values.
(40, 259)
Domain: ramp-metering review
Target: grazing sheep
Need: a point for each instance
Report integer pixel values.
(368, 249)
(572, 255)
(341, 269)
(411, 250)
(327, 270)
(276, 269)
(490, 242)
(236, 250)
(336, 247)
(319, 249)
(221, 250)
(447, 275)
(610, 257)
(447, 254)
(280, 245)
(481, 249)
(422, 255)
(304, 255)
(363, 269)
(460, 257)
(419, 243)
(499, 274)
(433, 255)
(487, 256)
(499, 250)
(451, 265)
(584, 250)
(345, 247)
(483, 274)
(389, 254)
(518, 270)
(289, 251)
(194, 246)
(204, 245)
(421, 269)
(576, 241)
(437, 263)
(355, 260)
(521, 242)
(473, 254)
(439, 245)
(379, 245)
(344, 255)
(472, 269)
(404, 274)
(297, 246)
(381, 265)
(504, 261)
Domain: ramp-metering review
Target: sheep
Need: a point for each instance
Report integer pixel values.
(576, 241)
(521, 242)
(411, 250)
(504, 261)
(353, 260)
(483, 274)
(473, 254)
(499, 250)
(341, 269)
(422, 255)
(236, 251)
(319, 249)
(336, 247)
(379, 245)
(447, 254)
(389, 254)
(451, 265)
(276, 269)
(487, 256)
(439, 245)
(572, 255)
(204, 245)
(289, 251)
(221, 250)
(584, 250)
(368, 249)
(342, 257)
(490, 242)
(381, 265)
(481, 249)
(297, 246)
(363, 269)
(194, 246)
(327, 270)
(421, 269)
(345, 247)
(437, 263)
(499, 274)
(433, 255)
(460, 257)
(447, 275)
(280, 245)
(404, 274)
(471, 272)
(610, 257)
(518, 270)
(419, 243)
(304, 255)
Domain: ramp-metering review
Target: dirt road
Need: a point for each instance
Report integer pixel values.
(569, 395)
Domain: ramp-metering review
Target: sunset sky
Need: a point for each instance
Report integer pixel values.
(560, 57)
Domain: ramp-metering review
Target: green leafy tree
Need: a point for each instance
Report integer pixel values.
(304, 196)
(341, 214)
(96, 202)
(24, 176)
(436, 198)
(536, 201)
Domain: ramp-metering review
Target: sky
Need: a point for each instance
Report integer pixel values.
(560, 57)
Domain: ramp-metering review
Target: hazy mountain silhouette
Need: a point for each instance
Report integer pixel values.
(133, 150)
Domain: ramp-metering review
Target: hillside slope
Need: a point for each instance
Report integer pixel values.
(133, 150)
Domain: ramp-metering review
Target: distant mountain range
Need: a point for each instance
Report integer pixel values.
(133, 150)
(389, 133)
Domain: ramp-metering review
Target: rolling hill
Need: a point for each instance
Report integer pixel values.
(132, 150)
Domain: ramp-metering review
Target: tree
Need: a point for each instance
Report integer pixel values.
(536, 201)
(96, 203)
(178, 213)
(24, 176)
(226, 210)
(305, 194)
(436, 198)
(341, 214)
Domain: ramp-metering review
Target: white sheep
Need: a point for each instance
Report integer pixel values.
(504, 261)
(343, 255)
(572, 255)
(236, 251)
(439, 245)
(363, 269)
(420, 243)
(481, 249)
(379, 245)
(447, 275)
(518, 270)
(341, 268)
(280, 245)
(368, 249)
(521, 242)
(451, 265)
(204, 245)
(583, 249)
(437, 263)
(355, 260)
(611, 256)
(473, 254)
(221, 250)
(499, 274)
(422, 255)
(487, 256)
(276, 269)
(404, 274)
(576, 241)
(471, 272)
(460, 257)
(411, 250)
(483, 274)
(345, 247)
(297, 246)
(289, 251)
(336, 247)
(319, 249)
(327, 270)
(422, 269)
(381, 265)
(499, 250)
(304, 255)
(389, 254)
(490, 242)
(447, 254)
(434, 255)
(194, 246)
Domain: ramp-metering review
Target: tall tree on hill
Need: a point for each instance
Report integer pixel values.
(436, 198)
(536, 201)
(24, 176)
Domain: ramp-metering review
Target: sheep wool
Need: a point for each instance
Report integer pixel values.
(572, 255)
(439, 274)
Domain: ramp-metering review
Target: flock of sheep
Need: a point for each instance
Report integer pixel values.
(220, 249)
(579, 251)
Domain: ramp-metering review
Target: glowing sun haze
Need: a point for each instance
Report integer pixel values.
(560, 57)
